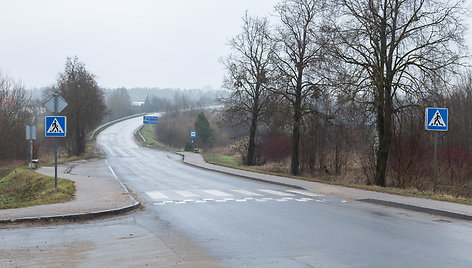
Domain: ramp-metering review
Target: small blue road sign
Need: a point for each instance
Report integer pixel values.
(55, 126)
(193, 134)
(147, 119)
(436, 119)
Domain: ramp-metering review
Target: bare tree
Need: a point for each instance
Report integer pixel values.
(14, 116)
(297, 59)
(248, 71)
(85, 102)
(119, 103)
(392, 48)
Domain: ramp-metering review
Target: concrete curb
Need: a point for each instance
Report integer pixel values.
(430, 211)
(80, 216)
(241, 176)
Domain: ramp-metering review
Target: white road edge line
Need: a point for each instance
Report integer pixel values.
(122, 185)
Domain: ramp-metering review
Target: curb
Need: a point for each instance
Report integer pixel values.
(81, 216)
(430, 211)
(242, 176)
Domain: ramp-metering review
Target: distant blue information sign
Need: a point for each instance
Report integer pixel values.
(55, 126)
(193, 134)
(436, 119)
(147, 119)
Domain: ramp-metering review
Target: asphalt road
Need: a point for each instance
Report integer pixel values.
(241, 223)
(195, 218)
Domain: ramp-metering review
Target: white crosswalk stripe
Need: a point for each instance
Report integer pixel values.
(275, 192)
(217, 193)
(244, 192)
(187, 194)
(193, 196)
(156, 195)
(302, 192)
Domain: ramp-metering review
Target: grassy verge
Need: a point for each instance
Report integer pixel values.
(88, 154)
(228, 161)
(223, 160)
(148, 134)
(150, 140)
(24, 188)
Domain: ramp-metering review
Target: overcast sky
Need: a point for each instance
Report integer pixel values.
(130, 43)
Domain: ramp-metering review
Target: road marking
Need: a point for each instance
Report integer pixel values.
(244, 192)
(187, 194)
(157, 195)
(307, 193)
(217, 193)
(276, 192)
(164, 203)
(224, 200)
(304, 199)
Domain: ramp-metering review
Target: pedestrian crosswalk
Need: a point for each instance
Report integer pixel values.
(166, 197)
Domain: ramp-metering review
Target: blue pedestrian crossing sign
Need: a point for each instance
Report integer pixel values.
(55, 126)
(436, 119)
(193, 134)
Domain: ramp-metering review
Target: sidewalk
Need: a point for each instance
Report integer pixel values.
(95, 196)
(433, 207)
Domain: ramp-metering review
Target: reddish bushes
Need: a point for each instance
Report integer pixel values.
(275, 147)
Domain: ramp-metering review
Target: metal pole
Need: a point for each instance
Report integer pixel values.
(55, 162)
(55, 143)
(31, 154)
(435, 176)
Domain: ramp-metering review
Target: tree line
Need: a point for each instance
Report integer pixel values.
(350, 79)
(88, 106)
(85, 109)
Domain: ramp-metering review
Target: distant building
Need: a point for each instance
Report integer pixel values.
(137, 103)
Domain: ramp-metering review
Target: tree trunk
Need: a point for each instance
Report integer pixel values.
(252, 141)
(295, 165)
(384, 128)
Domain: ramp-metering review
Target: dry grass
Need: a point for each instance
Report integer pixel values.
(7, 166)
(24, 187)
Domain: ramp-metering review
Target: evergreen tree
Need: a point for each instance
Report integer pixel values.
(205, 136)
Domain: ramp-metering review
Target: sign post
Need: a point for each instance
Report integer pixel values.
(436, 119)
(31, 135)
(193, 135)
(55, 104)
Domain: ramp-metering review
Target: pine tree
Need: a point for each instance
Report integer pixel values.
(205, 136)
